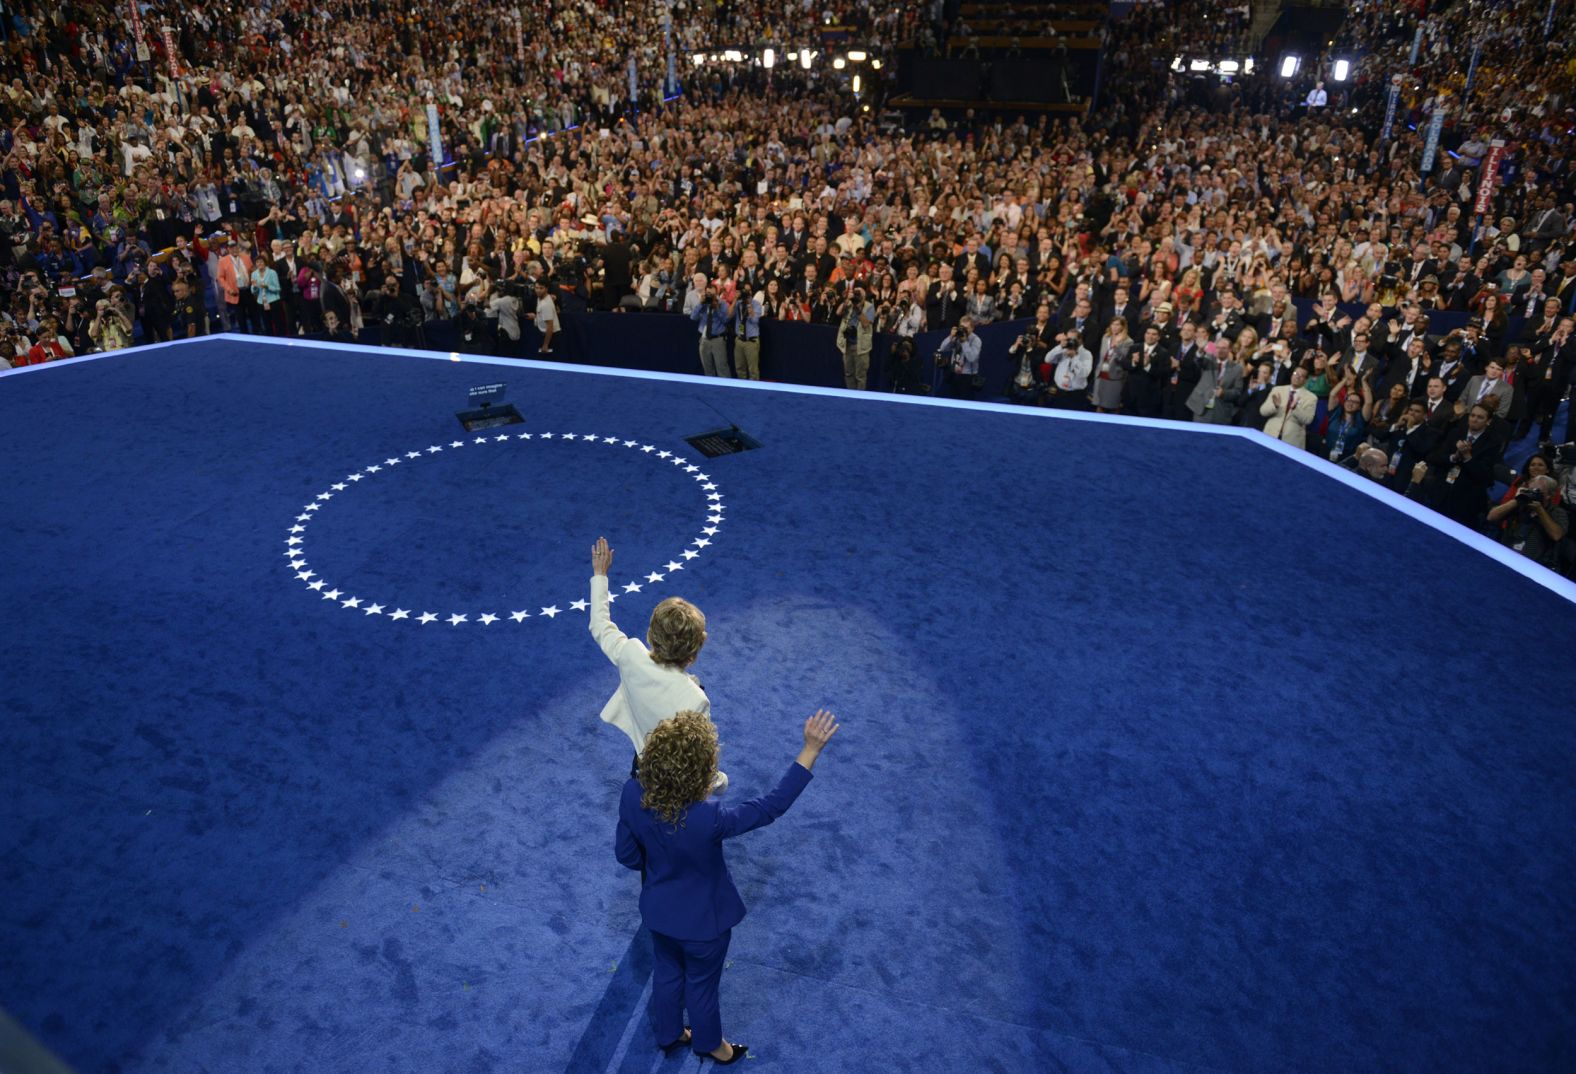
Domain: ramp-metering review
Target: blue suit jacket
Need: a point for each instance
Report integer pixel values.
(688, 893)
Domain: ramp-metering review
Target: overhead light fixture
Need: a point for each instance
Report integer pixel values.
(805, 57)
(1247, 66)
(876, 64)
(1341, 70)
(793, 57)
(733, 55)
(1228, 67)
(768, 59)
(1198, 65)
(856, 55)
(1288, 67)
(839, 63)
(856, 84)
(698, 59)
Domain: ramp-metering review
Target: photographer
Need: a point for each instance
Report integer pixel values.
(545, 316)
(477, 332)
(503, 307)
(712, 315)
(1028, 385)
(1071, 363)
(747, 336)
(959, 355)
(856, 318)
(110, 329)
(1531, 519)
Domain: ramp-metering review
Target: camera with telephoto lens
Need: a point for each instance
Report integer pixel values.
(1527, 497)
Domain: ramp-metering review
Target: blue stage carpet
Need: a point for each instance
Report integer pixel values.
(1162, 752)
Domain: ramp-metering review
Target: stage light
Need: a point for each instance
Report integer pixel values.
(1341, 70)
(793, 57)
(698, 59)
(875, 64)
(856, 55)
(733, 55)
(768, 59)
(839, 63)
(1247, 66)
(805, 57)
(1288, 67)
(1198, 65)
(1228, 67)
(856, 85)
(360, 174)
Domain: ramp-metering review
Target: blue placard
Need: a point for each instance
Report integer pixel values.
(1389, 109)
(1431, 143)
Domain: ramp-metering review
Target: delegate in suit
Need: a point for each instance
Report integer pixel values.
(670, 830)
(1289, 408)
(652, 684)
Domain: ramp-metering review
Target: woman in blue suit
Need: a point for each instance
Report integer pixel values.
(668, 826)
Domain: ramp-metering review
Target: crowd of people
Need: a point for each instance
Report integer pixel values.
(268, 169)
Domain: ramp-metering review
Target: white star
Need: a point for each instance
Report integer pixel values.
(675, 566)
(332, 594)
(610, 440)
(714, 495)
(701, 542)
(339, 486)
(690, 553)
(523, 436)
(631, 587)
(653, 577)
(630, 443)
(568, 436)
(304, 575)
(647, 448)
(480, 440)
(297, 529)
(501, 437)
(319, 584)
(580, 605)
(303, 518)
(488, 619)
(373, 609)
(387, 462)
(709, 487)
(457, 619)
(353, 602)
(413, 454)
(313, 507)
(325, 495)
(293, 553)
(588, 437)
(704, 477)
(710, 531)
(292, 540)
(433, 449)
(519, 617)
(400, 613)
(611, 597)
(714, 519)
(692, 469)
(550, 611)
(425, 617)
(664, 454)
(456, 443)
(676, 461)
(547, 436)
(356, 477)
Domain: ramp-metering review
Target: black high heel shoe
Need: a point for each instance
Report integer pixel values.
(738, 1053)
(673, 1046)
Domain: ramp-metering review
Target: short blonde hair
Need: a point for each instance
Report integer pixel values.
(676, 633)
(678, 764)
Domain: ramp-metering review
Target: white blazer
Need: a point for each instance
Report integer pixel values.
(648, 692)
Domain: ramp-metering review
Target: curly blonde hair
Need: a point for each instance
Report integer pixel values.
(678, 765)
(676, 633)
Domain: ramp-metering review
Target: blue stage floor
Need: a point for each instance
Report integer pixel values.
(1163, 751)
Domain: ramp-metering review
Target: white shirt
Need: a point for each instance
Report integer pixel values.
(546, 313)
(1317, 98)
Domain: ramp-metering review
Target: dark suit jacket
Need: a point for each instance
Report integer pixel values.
(1464, 498)
(688, 893)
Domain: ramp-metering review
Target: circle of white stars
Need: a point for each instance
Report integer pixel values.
(347, 599)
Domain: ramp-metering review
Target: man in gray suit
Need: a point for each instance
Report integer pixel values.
(1219, 391)
(1490, 384)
